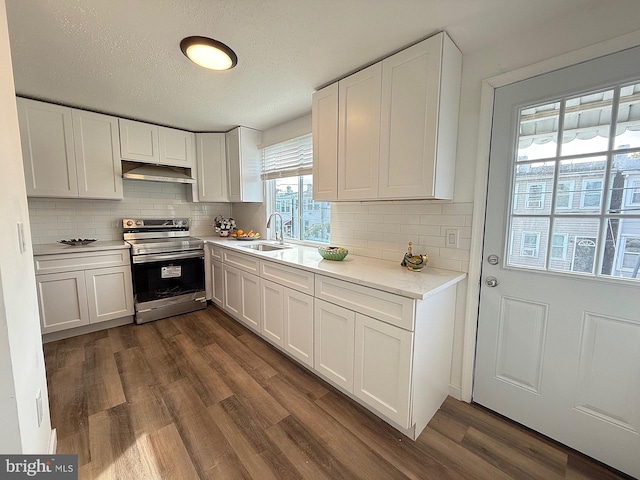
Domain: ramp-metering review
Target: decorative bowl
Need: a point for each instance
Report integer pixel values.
(79, 241)
(333, 253)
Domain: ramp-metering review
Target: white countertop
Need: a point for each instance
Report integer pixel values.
(371, 272)
(56, 248)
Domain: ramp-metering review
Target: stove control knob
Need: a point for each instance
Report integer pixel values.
(129, 223)
(139, 223)
(180, 223)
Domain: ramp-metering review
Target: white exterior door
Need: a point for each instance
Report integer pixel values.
(559, 328)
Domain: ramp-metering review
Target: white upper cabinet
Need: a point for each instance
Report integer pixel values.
(419, 121)
(148, 143)
(325, 143)
(139, 141)
(395, 127)
(243, 158)
(97, 160)
(68, 152)
(359, 134)
(211, 163)
(177, 147)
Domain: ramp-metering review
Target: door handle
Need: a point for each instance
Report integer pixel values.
(491, 281)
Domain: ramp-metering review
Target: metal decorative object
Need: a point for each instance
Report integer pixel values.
(414, 262)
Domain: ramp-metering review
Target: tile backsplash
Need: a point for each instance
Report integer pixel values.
(384, 229)
(54, 219)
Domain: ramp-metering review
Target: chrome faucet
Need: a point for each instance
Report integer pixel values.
(281, 240)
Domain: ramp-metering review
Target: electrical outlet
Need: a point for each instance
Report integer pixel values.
(39, 411)
(451, 237)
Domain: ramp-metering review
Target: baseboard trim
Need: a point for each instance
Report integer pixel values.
(94, 327)
(455, 392)
(53, 442)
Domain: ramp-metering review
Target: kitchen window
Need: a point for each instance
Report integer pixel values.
(286, 169)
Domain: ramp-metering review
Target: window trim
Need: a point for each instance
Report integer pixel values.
(568, 194)
(565, 246)
(528, 195)
(585, 191)
(536, 249)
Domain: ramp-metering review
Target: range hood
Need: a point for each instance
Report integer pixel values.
(158, 173)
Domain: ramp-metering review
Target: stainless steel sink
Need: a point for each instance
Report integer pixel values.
(265, 247)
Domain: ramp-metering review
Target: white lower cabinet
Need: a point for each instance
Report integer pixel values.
(334, 343)
(62, 299)
(298, 325)
(217, 283)
(287, 320)
(390, 353)
(242, 296)
(73, 295)
(382, 370)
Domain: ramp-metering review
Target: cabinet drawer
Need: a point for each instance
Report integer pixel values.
(384, 306)
(215, 252)
(246, 263)
(287, 276)
(68, 262)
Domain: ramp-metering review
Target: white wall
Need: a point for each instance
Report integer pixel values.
(22, 371)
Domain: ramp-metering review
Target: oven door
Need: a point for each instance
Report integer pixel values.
(168, 284)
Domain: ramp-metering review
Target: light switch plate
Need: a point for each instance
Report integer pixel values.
(451, 237)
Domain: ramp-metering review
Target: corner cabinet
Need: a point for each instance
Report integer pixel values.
(406, 148)
(78, 289)
(243, 159)
(69, 153)
(148, 143)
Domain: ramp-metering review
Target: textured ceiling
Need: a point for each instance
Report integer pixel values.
(122, 56)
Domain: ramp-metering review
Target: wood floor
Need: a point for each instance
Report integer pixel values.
(200, 397)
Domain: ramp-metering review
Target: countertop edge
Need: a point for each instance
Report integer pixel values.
(59, 248)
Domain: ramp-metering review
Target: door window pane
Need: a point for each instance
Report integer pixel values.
(622, 248)
(573, 245)
(587, 122)
(528, 242)
(538, 132)
(535, 180)
(628, 124)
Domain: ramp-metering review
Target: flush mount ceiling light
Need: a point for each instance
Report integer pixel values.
(208, 53)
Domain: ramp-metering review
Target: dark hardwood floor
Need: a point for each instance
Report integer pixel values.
(200, 397)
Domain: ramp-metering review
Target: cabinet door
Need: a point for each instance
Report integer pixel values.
(298, 325)
(217, 283)
(250, 301)
(177, 147)
(334, 342)
(359, 134)
(232, 304)
(97, 151)
(62, 300)
(272, 297)
(109, 293)
(48, 154)
(324, 119)
(139, 141)
(382, 374)
(243, 159)
(419, 120)
(211, 167)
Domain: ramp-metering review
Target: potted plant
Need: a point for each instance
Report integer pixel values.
(224, 226)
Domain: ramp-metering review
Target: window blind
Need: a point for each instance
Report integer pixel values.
(288, 159)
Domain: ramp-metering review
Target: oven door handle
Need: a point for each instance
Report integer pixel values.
(167, 256)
